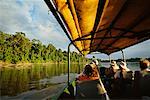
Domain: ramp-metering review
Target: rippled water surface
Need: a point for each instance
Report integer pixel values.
(17, 81)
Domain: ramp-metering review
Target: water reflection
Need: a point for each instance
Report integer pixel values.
(14, 81)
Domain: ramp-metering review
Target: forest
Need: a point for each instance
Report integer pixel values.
(17, 48)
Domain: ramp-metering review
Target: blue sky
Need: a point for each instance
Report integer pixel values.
(32, 18)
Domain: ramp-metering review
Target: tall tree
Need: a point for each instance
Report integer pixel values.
(18, 48)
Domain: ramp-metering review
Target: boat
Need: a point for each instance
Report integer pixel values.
(104, 26)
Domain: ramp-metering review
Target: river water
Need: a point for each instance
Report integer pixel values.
(16, 81)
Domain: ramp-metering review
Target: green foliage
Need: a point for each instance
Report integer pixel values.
(18, 48)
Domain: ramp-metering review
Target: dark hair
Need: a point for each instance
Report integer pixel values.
(88, 70)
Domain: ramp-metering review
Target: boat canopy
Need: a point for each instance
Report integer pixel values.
(105, 26)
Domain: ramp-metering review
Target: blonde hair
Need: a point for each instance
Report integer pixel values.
(144, 64)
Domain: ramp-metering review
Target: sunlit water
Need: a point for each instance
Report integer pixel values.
(25, 80)
(131, 65)
(14, 81)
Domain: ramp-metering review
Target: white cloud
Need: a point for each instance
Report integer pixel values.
(12, 16)
(31, 17)
(141, 50)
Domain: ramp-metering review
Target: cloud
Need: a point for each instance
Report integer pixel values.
(141, 50)
(32, 18)
(13, 17)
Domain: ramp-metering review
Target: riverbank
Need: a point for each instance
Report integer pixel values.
(5, 64)
(27, 64)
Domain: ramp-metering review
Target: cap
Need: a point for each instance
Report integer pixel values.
(124, 66)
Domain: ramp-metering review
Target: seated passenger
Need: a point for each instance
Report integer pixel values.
(144, 64)
(144, 81)
(110, 72)
(89, 85)
(122, 73)
(114, 66)
(123, 82)
(108, 76)
(90, 72)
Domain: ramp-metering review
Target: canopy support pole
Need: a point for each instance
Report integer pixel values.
(123, 56)
(109, 59)
(69, 62)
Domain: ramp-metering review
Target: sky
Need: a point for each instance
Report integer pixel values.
(33, 18)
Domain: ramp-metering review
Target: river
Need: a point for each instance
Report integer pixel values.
(23, 81)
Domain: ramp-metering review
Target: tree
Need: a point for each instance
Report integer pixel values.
(18, 48)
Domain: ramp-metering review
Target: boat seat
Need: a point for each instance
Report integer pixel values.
(88, 89)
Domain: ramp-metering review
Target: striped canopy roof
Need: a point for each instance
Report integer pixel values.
(104, 26)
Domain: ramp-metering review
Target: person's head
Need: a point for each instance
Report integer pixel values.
(144, 64)
(88, 70)
(114, 65)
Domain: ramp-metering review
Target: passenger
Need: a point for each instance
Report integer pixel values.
(108, 77)
(110, 72)
(123, 66)
(144, 66)
(94, 65)
(144, 82)
(89, 85)
(89, 73)
(123, 70)
(122, 82)
(114, 66)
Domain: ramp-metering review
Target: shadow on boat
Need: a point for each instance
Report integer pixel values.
(120, 89)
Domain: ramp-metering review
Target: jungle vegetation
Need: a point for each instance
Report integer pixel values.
(16, 48)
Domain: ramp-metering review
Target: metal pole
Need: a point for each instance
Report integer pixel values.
(110, 59)
(69, 62)
(79, 64)
(123, 56)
